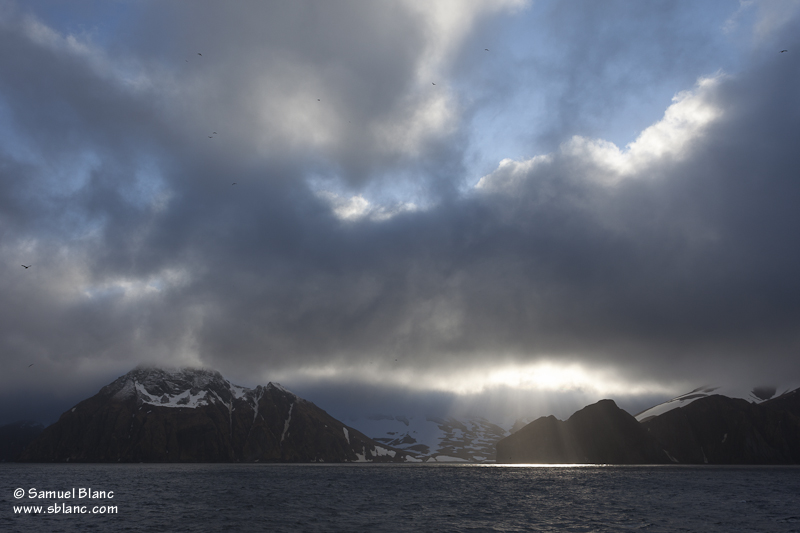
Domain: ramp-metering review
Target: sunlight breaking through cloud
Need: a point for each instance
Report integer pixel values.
(540, 376)
(672, 137)
(357, 207)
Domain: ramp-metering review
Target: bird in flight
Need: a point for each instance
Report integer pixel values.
(433, 83)
(198, 53)
(234, 183)
(215, 133)
(486, 49)
(782, 51)
(30, 365)
(26, 266)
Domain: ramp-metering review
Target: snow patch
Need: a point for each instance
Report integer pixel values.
(143, 394)
(257, 399)
(281, 388)
(381, 451)
(185, 388)
(361, 457)
(127, 390)
(238, 391)
(184, 399)
(421, 437)
(703, 392)
(286, 424)
(448, 459)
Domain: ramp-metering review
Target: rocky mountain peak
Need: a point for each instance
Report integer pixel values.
(181, 387)
(189, 414)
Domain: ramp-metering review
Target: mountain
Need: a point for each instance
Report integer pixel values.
(15, 437)
(598, 433)
(435, 439)
(788, 401)
(707, 429)
(755, 395)
(721, 430)
(192, 415)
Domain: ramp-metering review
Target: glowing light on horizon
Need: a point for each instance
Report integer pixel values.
(539, 376)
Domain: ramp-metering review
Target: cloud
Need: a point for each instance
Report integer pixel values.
(358, 207)
(672, 138)
(347, 252)
(773, 17)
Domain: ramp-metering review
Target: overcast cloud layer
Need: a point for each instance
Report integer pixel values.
(359, 194)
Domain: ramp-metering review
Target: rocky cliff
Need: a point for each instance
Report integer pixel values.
(190, 415)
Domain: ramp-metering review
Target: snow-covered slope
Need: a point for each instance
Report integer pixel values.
(184, 387)
(755, 395)
(435, 439)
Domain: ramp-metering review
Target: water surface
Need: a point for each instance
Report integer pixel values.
(260, 497)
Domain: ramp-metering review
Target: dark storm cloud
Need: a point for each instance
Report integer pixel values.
(143, 250)
(686, 269)
(268, 68)
(689, 269)
(117, 190)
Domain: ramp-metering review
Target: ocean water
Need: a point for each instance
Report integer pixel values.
(260, 497)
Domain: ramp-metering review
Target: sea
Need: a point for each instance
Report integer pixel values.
(397, 497)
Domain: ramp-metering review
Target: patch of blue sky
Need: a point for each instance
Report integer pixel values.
(533, 91)
(56, 176)
(13, 143)
(101, 20)
(147, 189)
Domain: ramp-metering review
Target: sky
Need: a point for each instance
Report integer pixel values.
(506, 207)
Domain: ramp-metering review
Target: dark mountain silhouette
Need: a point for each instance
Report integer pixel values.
(711, 430)
(15, 437)
(722, 430)
(598, 433)
(157, 415)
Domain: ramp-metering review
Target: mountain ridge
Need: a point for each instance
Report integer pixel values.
(154, 414)
(710, 429)
(598, 433)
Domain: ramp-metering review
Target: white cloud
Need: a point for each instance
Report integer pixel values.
(669, 139)
(510, 173)
(135, 288)
(357, 207)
